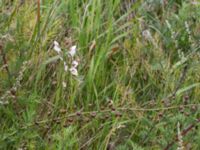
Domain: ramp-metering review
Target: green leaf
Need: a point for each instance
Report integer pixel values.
(187, 88)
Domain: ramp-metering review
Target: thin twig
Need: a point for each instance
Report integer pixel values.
(108, 110)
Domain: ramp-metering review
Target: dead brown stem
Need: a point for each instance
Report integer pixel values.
(4, 59)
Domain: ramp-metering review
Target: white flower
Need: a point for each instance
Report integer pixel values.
(57, 47)
(56, 43)
(147, 34)
(195, 3)
(72, 51)
(64, 84)
(73, 71)
(75, 63)
(65, 66)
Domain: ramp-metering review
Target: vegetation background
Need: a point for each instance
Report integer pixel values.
(138, 75)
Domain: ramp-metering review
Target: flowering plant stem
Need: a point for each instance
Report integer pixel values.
(38, 21)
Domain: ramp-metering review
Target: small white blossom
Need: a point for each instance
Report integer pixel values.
(64, 84)
(65, 66)
(72, 51)
(147, 34)
(56, 43)
(73, 71)
(57, 47)
(75, 63)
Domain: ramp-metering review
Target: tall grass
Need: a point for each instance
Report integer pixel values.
(138, 74)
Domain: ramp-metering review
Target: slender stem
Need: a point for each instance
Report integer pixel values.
(38, 23)
(118, 109)
(38, 12)
(38, 16)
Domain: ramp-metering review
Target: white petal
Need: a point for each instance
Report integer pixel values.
(75, 63)
(64, 84)
(72, 51)
(73, 71)
(65, 66)
(57, 49)
(73, 48)
(147, 34)
(56, 43)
